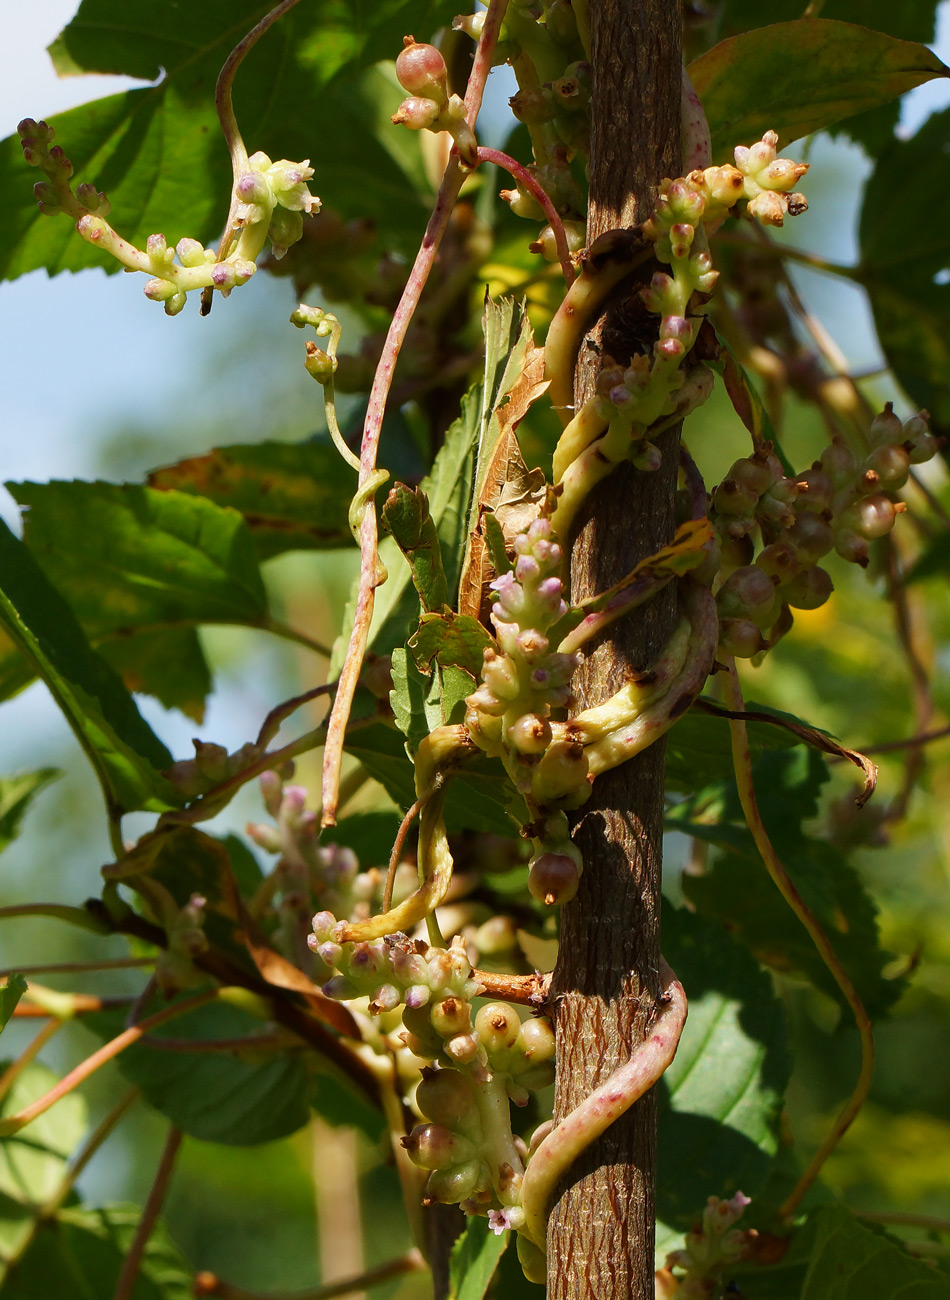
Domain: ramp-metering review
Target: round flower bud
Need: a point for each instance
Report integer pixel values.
(536, 1041)
(811, 537)
(850, 546)
(815, 491)
(809, 590)
(735, 498)
(451, 1016)
(747, 593)
(780, 560)
(445, 1096)
(498, 1026)
(740, 637)
(417, 113)
(885, 428)
(462, 1049)
(839, 463)
(757, 472)
(531, 734)
(553, 878)
(422, 1039)
(875, 516)
(891, 464)
(421, 70)
(432, 1146)
(458, 1183)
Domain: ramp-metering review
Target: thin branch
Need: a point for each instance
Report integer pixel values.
(908, 623)
(93, 1142)
(146, 1224)
(527, 990)
(531, 183)
(73, 967)
(923, 738)
(742, 761)
(906, 1220)
(58, 911)
(207, 1284)
(11, 1124)
(371, 575)
(294, 634)
(398, 843)
(29, 1053)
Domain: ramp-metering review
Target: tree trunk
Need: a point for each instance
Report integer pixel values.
(601, 1233)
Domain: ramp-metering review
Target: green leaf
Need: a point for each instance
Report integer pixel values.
(125, 555)
(934, 562)
(474, 1258)
(369, 834)
(738, 892)
(230, 1097)
(423, 701)
(10, 995)
(33, 1161)
(126, 754)
(15, 795)
(340, 1103)
(293, 496)
(905, 265)
(799, 77)
(852, 1262)
(166, 662)
(911, 20)
(721, 1098)
(699, 748)
(321, 56)
(451, 639)
(80, 1254)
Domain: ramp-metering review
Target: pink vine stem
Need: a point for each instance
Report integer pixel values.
(742, 762)
(521, 174)
(370, 570)
(628, 1083)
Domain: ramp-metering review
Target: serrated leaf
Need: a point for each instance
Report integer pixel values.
(721, 1098)
(699, 749)
(738, 892)
(238, 1099)
(125, 555)
(165, 662)
(450, 639)
(907, 277)
(423, 701)
(911, 20)
(798, 77)
(321, 55)
(293, 496)
(474, 1258)
(852, 1262)
(10, 995)
(15, 795)
(406, 517)
(80, 1253)
(126, 754)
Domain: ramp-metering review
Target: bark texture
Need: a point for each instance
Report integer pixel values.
(601, 1233)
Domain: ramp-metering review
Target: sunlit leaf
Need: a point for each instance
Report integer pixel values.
(16, 792)
(124, 751)
(799, 77)
(448, 639)
(10, 995)
(474, 1258)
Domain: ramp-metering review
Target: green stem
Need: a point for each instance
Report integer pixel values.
(294, 634)
(60, 912)
(742, 762)
(73, 967)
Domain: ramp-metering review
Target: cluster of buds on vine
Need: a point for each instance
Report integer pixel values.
(269, 202)
(421, 71)
(841, 504)
(711, 1247)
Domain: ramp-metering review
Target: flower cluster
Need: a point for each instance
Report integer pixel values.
(270, 199)
(710, 1247)
(421, 71)
(842, 503)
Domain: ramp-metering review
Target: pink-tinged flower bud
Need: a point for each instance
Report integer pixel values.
(416, 113)
(851, 546)
(422, 1040)
(780, 561)
(445, 1096)
(462, 1049)
(782, 174)
(498, 1026)
(536, 1041)
(323, 925)
(252, 188)
(531, 734)
(421, 70)
(816, 491)
(386, 998)
(92, 200)
(459, 1183)
(768, 208)
(532, 644)
(417, 995)
(891, 464)
(811, 537)
(340, 989)
(739, 637)
(809, 590)
(451, 1016)
(432, 1146)
(669, 349)
(553, 878)
(885, 428)
(874, 517)
(677, 327)
(46, 198)
(747, 593)
(160, 290)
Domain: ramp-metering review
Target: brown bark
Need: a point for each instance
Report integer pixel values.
(601, 1233)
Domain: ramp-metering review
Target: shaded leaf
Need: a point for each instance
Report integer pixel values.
(236, 1098)
(10, 995)
(124, 751)
(15, 795)
(474, 1258)
(852, 1262)
(166, 662)
(699, 750)
(911, 20)
(80, 1253)
(799, 77)
(722, 1096)
(336, 1100)
(450, 639)
(125, 555)
(321, 54)
(369, 834)
(406, 517)
(934, 562)
(908, 276)
(739, 893)
(293, 496)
